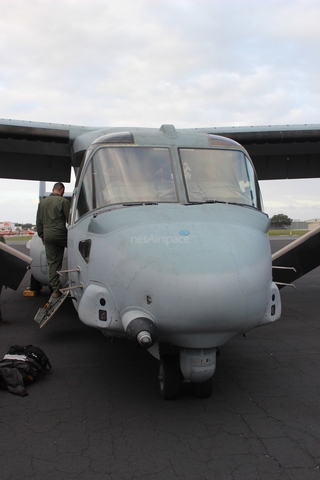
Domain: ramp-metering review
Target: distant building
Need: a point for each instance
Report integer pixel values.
(313, 223)
(298, 225)
(8, 229)
(7, 226)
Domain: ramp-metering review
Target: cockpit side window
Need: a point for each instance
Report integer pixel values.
(219, 175)
(126, 175)
(85, 198)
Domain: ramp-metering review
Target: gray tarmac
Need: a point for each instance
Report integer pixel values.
(98, 414)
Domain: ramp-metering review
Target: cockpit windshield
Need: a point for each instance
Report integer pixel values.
(126, 175)
(213, 175)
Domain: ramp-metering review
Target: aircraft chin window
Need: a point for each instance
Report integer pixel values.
(84, 249)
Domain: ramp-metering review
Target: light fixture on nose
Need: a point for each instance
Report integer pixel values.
(143, 331)
(139, 329)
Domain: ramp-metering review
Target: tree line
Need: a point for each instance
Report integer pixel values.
(280, 221)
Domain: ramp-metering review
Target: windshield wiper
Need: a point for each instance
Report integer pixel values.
(204, 202)
(134, 204)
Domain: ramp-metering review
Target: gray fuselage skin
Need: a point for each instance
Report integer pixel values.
(200, 289)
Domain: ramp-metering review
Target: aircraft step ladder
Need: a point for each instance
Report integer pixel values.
(45, 313)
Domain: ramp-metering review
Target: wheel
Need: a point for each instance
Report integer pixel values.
(169, 377)
(35, 286)
(204, 389)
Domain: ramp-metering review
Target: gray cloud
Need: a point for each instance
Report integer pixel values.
(142, 62)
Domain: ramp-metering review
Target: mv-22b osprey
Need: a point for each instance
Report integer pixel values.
(167, 237)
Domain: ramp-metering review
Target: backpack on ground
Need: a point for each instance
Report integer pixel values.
(20, 366)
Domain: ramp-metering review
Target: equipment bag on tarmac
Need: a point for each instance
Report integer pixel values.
(20, 366)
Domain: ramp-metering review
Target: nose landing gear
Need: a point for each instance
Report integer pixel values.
(169, 377)
(170, 380)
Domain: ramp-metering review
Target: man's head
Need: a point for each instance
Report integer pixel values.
(58, 188)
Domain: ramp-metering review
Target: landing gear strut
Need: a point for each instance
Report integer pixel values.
(204, 389)
(35, 286)
(169, 377)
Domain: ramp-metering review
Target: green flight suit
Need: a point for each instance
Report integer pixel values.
(52, 216)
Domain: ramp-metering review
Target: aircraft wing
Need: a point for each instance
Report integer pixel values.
(45, 151)
(298, 258)
(14, 266)
(36, 151)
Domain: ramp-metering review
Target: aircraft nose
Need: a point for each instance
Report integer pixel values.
(221, 280)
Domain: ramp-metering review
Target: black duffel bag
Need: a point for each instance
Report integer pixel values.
(20, 366)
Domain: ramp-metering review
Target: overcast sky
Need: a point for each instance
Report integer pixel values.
(192, 63)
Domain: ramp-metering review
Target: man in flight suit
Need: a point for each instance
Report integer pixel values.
(52, 216)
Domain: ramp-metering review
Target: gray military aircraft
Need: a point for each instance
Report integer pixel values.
(167, 237)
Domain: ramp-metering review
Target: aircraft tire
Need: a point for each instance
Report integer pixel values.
(204, 389)
(169, 377)
(35, 285)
